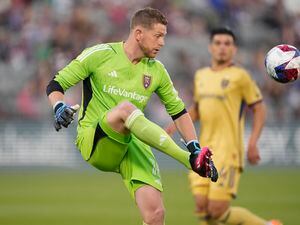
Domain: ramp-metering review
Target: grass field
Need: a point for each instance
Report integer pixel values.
(88, 197)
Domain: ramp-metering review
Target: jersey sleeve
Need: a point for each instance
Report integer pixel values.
(81, 67)
(168, 94)
(250, 91)
(71, 74)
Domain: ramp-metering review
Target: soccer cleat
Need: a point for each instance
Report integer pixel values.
(274, 222)
(202, 163)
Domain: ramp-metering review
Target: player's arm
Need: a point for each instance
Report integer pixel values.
(194, 115)
(79, 69)
(176, 108)
(193, 111)
(259, 118)
(185, 127)
(69, 76)
(253, 97)
(55, 96)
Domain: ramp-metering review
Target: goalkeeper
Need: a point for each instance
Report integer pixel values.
(113, 133)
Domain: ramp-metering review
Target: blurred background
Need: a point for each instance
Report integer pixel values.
(39, 166)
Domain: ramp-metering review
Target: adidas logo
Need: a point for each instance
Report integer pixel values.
(112, 74)
(162, 139)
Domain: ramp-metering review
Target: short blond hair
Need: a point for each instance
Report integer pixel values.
(147, 17)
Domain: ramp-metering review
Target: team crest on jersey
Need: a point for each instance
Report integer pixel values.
(147, 81)
(224, 83)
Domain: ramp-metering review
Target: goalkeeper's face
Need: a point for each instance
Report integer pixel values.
(222, 48)
(151, 40)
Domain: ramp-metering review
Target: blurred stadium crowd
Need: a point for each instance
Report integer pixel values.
(37, 38)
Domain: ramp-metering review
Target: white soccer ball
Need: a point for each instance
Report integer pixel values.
(283, 63)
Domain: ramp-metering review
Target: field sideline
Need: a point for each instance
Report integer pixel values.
(87, 197)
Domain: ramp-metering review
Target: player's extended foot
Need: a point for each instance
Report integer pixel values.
(274, 222)
(201, 161)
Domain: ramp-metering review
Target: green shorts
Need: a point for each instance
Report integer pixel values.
(108, 150)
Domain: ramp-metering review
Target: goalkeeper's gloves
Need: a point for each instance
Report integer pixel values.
(63, 115)
(201, 161)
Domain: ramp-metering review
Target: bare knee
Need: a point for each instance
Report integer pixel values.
(117, 116)
(217, 208)
(154, 216)
(124, 109)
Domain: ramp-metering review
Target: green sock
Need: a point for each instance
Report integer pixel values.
(155, 136)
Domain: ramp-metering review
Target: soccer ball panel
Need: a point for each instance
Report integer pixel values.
(294, 63)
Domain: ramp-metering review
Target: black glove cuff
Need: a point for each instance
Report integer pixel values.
(193, 146)
(58, 106)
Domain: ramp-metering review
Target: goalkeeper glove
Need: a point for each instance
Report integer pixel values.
(201, 161)
(64, 115)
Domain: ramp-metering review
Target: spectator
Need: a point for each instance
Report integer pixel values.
(32, 32)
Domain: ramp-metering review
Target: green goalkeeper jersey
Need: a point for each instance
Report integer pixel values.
(109, 78)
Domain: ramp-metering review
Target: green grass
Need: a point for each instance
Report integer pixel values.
(88, 197)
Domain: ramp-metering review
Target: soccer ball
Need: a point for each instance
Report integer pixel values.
(283, 63)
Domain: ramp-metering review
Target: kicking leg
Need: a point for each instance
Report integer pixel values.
(126, 116)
